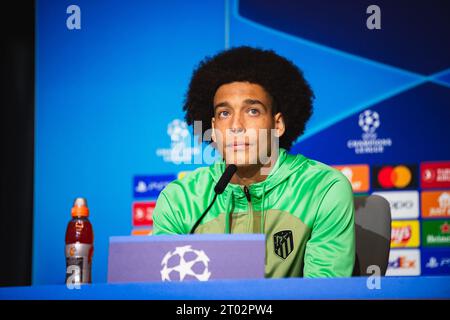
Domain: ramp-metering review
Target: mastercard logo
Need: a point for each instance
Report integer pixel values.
(394, 177)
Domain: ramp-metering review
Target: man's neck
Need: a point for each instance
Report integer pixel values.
(247, 175)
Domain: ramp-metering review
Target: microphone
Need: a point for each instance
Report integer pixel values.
(225, 178)
(218, 189)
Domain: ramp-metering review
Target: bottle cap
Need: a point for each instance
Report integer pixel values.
(80, 208)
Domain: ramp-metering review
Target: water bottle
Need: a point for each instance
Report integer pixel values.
(79, 245)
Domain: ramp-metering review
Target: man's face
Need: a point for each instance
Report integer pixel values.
(243, 121)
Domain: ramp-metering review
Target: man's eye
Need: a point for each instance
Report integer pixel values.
(253, 112)
(224, 114)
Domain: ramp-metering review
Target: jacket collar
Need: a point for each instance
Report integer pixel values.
(283, 168)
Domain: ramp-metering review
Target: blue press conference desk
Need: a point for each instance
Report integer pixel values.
(298, 288)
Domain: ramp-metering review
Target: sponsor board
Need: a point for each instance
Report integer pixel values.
(405, 234)
(357, 174)
(435, 204)
(435, 174)
(404, 204)
(141, 232)
(143, 213)
(436, 233)
(435, 261)
(394, 177)
(150, 186)
(404, 262)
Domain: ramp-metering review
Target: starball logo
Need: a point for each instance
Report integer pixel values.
(369, 121)
(185, 263)
(182, 147)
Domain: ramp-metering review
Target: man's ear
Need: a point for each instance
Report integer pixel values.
(280, 126)
(213, 133)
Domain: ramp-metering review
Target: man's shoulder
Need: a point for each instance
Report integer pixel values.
(317, 171)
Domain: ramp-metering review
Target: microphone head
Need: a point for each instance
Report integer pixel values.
(225, 178)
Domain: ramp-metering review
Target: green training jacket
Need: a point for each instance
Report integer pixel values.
(304, 207)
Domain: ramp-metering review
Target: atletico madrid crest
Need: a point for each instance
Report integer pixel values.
(283, 243)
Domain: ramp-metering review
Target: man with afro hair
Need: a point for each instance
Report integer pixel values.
(252, 104)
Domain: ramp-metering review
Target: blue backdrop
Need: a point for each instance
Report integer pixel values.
(108, 97)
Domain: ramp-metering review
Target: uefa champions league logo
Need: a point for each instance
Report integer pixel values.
(369, 121)
(185, 263)
(178, 131)
(181, 146)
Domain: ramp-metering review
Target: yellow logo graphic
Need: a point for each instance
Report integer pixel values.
(405, 234)
(182, 174)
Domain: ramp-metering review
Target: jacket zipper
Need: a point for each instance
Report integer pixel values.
(249, 199)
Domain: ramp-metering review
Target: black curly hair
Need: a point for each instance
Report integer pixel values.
(290, 92)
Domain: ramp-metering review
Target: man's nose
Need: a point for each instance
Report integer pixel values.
(237, 127)
(237, 130)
